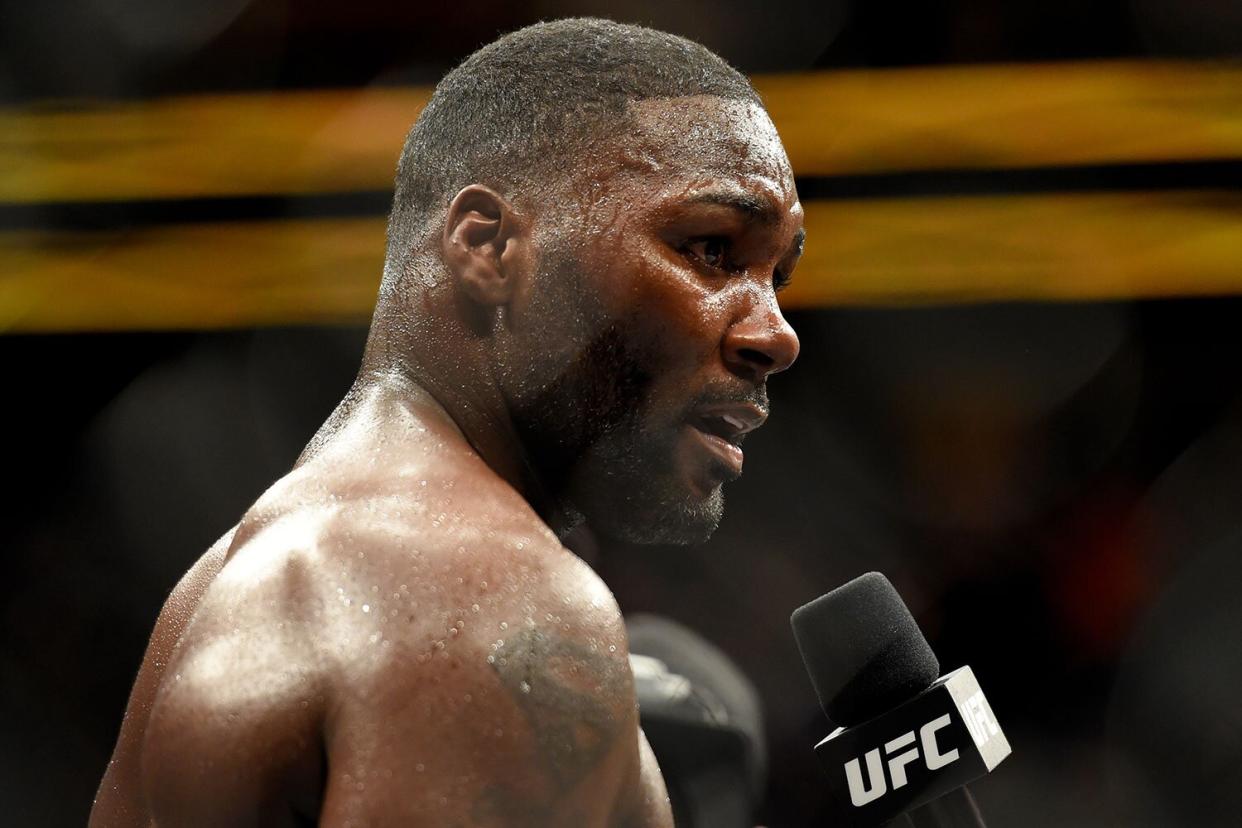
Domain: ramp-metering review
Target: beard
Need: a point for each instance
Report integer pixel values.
(594, 437)
(633, 496)
(607, 455)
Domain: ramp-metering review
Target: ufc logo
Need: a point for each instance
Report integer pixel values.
(861, 794)
(979, 719)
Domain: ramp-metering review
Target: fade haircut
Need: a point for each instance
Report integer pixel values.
(527, 106)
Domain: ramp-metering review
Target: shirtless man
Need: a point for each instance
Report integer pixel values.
(577, 318)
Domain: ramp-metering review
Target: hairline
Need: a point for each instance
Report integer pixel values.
(566, 167)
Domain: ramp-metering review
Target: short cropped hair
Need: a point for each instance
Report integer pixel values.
(525, 106)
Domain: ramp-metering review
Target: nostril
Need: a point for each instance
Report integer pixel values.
(757, 357)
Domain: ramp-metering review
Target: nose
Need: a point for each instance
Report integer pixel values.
(761, 343)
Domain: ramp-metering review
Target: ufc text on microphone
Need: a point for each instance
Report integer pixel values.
(908, 735)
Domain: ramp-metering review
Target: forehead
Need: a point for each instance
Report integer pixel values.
(681, 142)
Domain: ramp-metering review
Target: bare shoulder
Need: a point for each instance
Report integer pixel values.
(489, 683)
(120, 800)
(422, 650)
(232, 733)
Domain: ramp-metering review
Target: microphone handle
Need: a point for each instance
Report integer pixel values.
(956, 809)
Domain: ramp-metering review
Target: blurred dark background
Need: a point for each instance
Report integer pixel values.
(1054, 484)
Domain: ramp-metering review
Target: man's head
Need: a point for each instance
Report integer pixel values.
(609, 211)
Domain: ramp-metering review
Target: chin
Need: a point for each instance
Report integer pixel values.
(648, 520)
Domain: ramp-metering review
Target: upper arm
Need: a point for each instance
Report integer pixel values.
(120, 799)
(515, 706)
(233, 736)
(648, 805)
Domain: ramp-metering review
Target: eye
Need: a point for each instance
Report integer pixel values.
(780, 280)
(712, 251)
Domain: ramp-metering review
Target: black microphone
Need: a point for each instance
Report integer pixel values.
(909, 738)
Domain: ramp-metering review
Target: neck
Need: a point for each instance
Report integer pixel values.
(456, 388)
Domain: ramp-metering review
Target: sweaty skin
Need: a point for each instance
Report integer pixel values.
(394, 635)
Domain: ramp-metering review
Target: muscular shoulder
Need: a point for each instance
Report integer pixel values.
(233, 732)
(483, 678)
(439, 649)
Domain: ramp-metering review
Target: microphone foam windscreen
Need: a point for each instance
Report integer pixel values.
(864, 651)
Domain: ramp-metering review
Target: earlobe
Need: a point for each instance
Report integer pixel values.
(480, 228)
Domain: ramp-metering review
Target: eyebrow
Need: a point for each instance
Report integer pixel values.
(755, 209)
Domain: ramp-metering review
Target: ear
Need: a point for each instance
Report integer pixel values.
(483, 237)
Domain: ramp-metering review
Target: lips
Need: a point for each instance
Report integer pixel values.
(719, 429)
(728, 455)
(729, 421)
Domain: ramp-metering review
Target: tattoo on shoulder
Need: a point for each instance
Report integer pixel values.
(571, 693)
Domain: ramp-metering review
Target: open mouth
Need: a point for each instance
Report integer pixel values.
(727, 453)
(720, 430)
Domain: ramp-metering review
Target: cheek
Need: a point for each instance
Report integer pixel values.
(675, 316)
(676, 320)
(688, 313)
